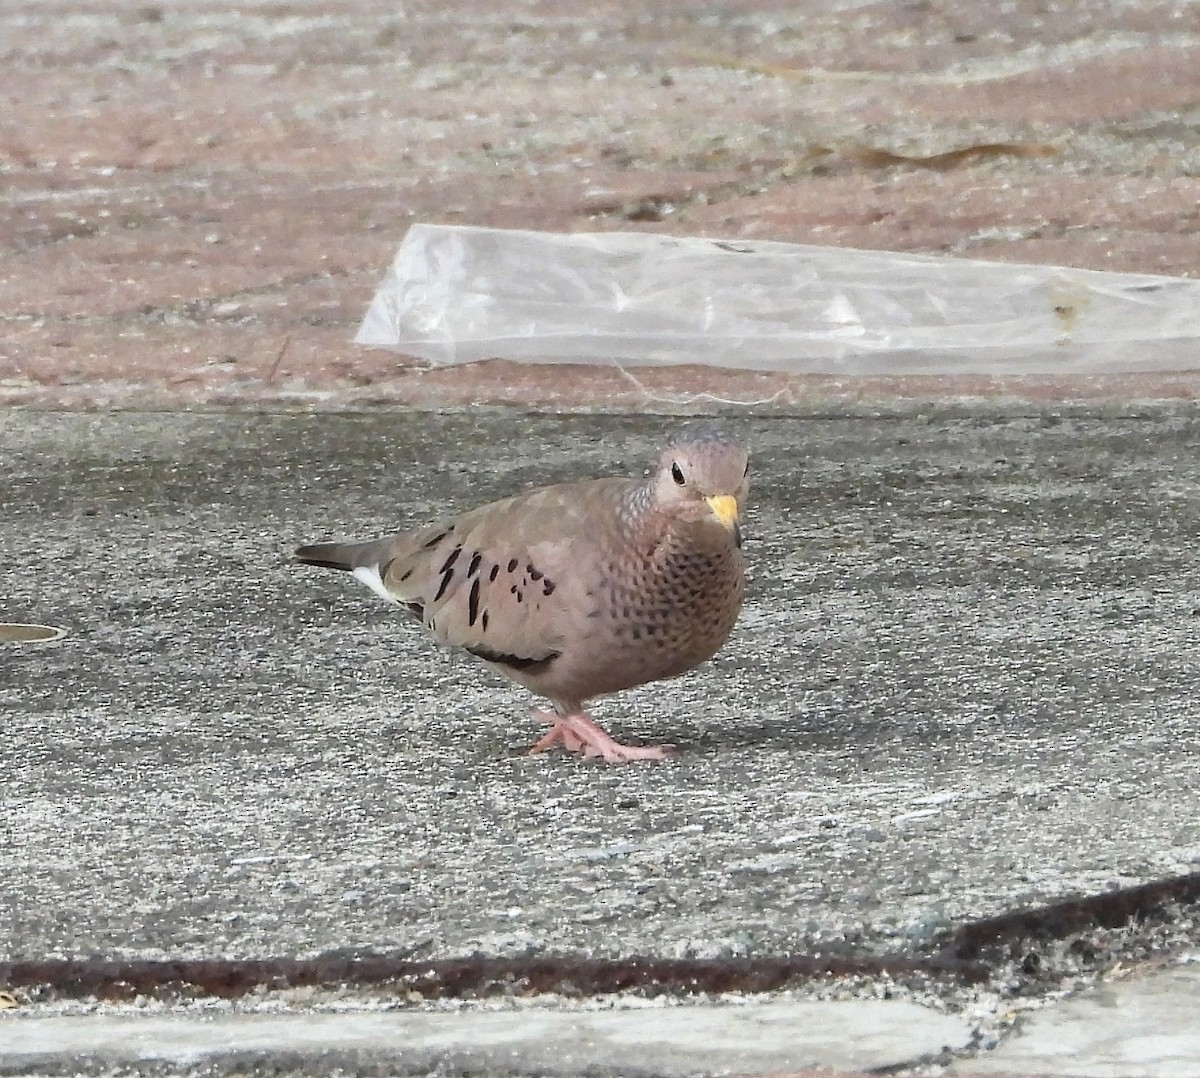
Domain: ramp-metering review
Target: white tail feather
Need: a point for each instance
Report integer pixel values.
(369, 575)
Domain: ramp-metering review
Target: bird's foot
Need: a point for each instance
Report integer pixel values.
(577, 732)
(560, 731)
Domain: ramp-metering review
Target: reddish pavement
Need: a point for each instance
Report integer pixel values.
(200, 198)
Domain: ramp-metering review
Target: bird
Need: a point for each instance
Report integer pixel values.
(580, 589)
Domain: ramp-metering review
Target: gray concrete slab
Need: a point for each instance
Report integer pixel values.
(643, 1040)
(962, 682)
(1145, 1027)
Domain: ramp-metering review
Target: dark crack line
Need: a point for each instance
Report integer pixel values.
(1062, 919)
(449, 978)
(970, 956)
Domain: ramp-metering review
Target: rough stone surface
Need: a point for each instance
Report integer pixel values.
(963, 681)
(656, 1041)
(1135, 1028)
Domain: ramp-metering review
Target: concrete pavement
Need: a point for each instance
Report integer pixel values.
(962, 684)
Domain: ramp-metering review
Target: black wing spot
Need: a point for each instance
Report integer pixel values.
(484, 620)
(494, 573)
(533, 573)
(473, 603)
(448, 564)
(444, 585)
(436, 539)
(473, 568)
(512, 565)
(548, 587)
(513, 662)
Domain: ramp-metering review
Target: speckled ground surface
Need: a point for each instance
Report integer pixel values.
(962, 683)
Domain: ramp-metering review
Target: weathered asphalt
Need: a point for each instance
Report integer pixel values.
(962, 683)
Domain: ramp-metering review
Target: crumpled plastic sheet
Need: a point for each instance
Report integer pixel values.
(457, 294)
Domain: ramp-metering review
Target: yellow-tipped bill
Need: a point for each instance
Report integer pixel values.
(725, 509)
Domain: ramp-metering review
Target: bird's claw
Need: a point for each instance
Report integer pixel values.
(578, 732)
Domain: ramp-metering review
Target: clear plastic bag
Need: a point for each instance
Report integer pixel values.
(459, 294)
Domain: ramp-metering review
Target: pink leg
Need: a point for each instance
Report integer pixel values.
(579, 733)
(558, 732)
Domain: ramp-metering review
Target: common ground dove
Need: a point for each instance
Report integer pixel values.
(580, 589)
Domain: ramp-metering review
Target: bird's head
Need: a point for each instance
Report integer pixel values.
(703, 475)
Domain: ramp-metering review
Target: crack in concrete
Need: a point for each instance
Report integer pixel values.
(971, 955)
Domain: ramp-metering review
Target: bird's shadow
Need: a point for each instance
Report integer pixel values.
(777, 734)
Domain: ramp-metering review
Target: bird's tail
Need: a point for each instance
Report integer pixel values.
(344, 556)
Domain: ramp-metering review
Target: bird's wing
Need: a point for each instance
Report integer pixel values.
(503, 580)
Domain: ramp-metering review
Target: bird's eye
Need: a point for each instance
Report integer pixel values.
(677, 474)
